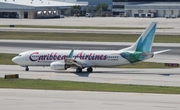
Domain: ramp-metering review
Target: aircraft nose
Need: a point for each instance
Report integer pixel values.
(15, 60)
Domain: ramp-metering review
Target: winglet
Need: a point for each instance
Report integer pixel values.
(71, 54)
(70, 59)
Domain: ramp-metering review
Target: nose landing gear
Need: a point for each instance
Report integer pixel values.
(26, 69)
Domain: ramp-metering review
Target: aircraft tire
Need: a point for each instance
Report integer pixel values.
(26, 69)
(79, 70)
(90, 70)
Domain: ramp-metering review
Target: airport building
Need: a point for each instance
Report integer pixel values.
(129, 8)
(146, 8)
(43, 8)
(95, 2)
(33, 8)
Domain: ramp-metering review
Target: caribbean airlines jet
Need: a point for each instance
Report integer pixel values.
(81, 59)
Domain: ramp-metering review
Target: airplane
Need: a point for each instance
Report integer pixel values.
(81, 59)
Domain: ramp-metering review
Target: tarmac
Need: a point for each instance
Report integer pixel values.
(96, 21)
(165, 26)
(155, 77)
(21, 99)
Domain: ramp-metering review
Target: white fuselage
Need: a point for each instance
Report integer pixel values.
(80, 59)
(92, 58)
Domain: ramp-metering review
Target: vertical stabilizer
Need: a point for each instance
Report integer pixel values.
(145, 41)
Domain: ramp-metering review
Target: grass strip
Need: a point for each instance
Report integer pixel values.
(145, 65)
(84, 86)
(78, 27)
(6, 59)
(84, 37)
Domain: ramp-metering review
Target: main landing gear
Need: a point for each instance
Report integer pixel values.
(26, 69)
(89, 70)
(79, 70)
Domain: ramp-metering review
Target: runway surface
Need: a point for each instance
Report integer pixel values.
(83, 45)
(168, 26)
(20, 99)
(158, 77)
(100, 31)
(18, 46)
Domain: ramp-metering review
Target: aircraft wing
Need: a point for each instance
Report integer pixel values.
(71, 61)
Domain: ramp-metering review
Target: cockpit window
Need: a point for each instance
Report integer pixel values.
(19, 55)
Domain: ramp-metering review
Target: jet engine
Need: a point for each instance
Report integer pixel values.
(58, 66)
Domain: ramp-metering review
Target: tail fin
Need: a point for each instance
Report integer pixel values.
(145, 41)
(141, 49)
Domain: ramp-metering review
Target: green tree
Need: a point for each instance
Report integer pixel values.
(103, 6)
(75, 10)
(78, 7)
(68, 12)
(88, 10)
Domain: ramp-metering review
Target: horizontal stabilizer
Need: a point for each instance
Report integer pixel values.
(161, 51)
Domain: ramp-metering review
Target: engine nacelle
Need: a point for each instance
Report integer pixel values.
(57, 66)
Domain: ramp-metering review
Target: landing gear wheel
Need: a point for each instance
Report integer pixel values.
(27, 69)
(79, 70)
(90, 70)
